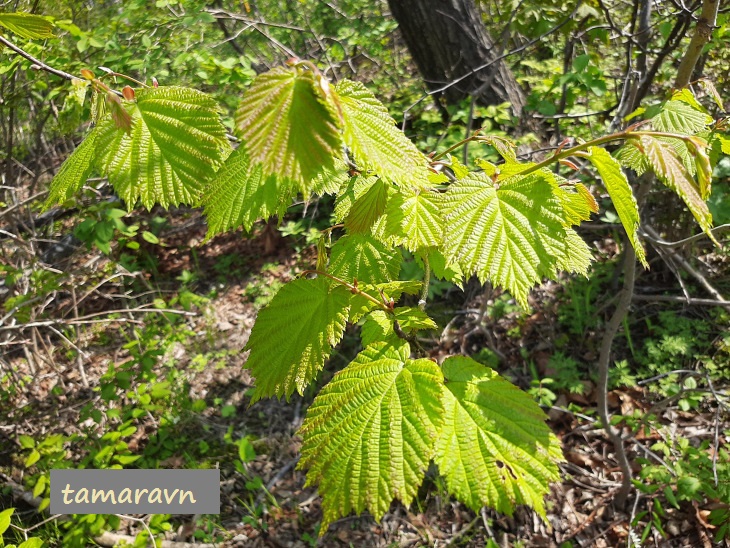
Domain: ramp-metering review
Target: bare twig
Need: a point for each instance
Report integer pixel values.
(604, 362)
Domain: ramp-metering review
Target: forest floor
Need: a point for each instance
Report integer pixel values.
(266, 503)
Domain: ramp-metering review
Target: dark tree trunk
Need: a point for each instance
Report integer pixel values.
(448, 42)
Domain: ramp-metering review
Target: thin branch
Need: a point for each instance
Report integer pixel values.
(37, 62)
(604, 362)
(701, 36)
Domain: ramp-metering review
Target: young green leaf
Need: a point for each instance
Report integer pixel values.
(379, 325)
(494, 448)
(356, 188)
(676, 116)
(27, 25)
(578, 202)
(293, 335)
(174, 147)
(361, 257)
(669, 168)
(367, 208)
(239, 195)
(369, 435)
(621, 195)
(509, 235)
(360, 305)
(331, 179)
(288, 127)
(74, 172)
(5, 520)
(419, 220)
(376, 142)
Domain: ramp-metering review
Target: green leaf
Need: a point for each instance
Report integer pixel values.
(367, 208)
(287, 126)
(578, 202)
(331, 179)
(419, 220)
(677, 116)
(512, 235)
(374, 139)
(356, 188)
(5, 520)
(362, 257)
(359, 305)
(669, 168)
(32, 458)
(33, 542)
(239, 195)
(378, 324)
(40, 486)
(369, 435)
(494, 449)
(174, 147)
(622, 196)
(74, 172)
(293, 335)
(26, 442)
(27, 25)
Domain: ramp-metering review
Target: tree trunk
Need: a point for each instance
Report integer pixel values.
(449, 44)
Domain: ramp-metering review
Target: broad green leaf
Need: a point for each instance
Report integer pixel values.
(678, 117)
(374, 139)
(439, 267)
(293, 335)
(379, 325)
(33, 542)
(288, 127)
(576, 255)
(369, 435)
(669, 168)
(5, 520)
(507, 235)
(27, 25)
(361, 257)
(578, 203)
(356, 188)
(74, 172)
(239, 195)
(331, 179)
(360, 305)
(494, 448)
(621, 195)
(174, 147)
(419, 222)
(631, 157)
(367, 208)
(26, 442)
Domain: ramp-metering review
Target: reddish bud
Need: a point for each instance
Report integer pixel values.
(128, 93)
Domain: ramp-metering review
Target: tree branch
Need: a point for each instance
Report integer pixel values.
(701, 36)
(37, 62)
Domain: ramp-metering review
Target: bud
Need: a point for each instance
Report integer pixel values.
(128, 93)
(87, 74)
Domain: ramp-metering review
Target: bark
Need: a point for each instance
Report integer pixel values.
(449, 43)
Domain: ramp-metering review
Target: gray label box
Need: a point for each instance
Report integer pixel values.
(135, 492)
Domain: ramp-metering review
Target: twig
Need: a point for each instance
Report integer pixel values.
(37, 62)
(604, 361)
(692, 301)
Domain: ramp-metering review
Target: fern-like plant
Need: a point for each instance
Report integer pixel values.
(372, 432)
